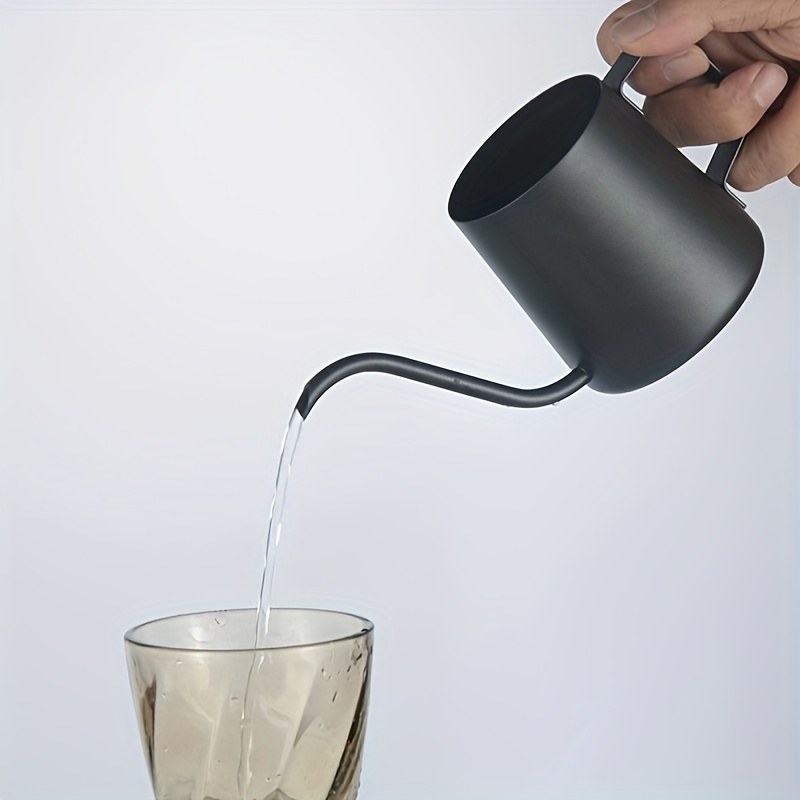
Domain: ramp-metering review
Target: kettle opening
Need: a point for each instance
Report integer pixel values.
(524, 148)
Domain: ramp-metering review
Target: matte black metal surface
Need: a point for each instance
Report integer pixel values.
(440, 377)
(627, 256)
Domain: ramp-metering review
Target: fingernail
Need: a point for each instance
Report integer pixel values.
(684, 66)
(635, 25)
(768, 84)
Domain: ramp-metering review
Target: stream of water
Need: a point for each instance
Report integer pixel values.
(261, 631)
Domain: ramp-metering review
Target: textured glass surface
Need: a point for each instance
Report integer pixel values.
(222, 721)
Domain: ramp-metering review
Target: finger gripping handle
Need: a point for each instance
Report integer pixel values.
(725, 154)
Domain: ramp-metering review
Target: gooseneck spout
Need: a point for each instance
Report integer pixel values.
(440, 377)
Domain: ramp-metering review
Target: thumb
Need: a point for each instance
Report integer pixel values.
(670, 26)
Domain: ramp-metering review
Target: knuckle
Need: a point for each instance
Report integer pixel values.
(648, 78)
(727, 129)
(733, 117)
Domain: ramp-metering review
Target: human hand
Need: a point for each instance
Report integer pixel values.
(755, 42)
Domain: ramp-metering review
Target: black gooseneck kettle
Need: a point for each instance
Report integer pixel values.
(627, 257)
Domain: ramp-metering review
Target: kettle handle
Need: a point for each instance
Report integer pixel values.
(725, 154)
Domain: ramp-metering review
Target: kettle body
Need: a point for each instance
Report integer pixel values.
(627, 256)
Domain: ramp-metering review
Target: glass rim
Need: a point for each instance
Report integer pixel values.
(366, 629)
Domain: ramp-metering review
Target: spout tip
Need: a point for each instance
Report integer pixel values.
(304, 404)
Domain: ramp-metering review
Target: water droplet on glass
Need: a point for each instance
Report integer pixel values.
(221, 620)
(178, 663)
(557, 403)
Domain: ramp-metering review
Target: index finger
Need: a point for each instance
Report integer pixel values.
(660, 27)
(606, 44)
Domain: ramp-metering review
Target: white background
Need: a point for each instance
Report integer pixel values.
(201, 206)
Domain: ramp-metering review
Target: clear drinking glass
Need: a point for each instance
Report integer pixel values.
(222, 720)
